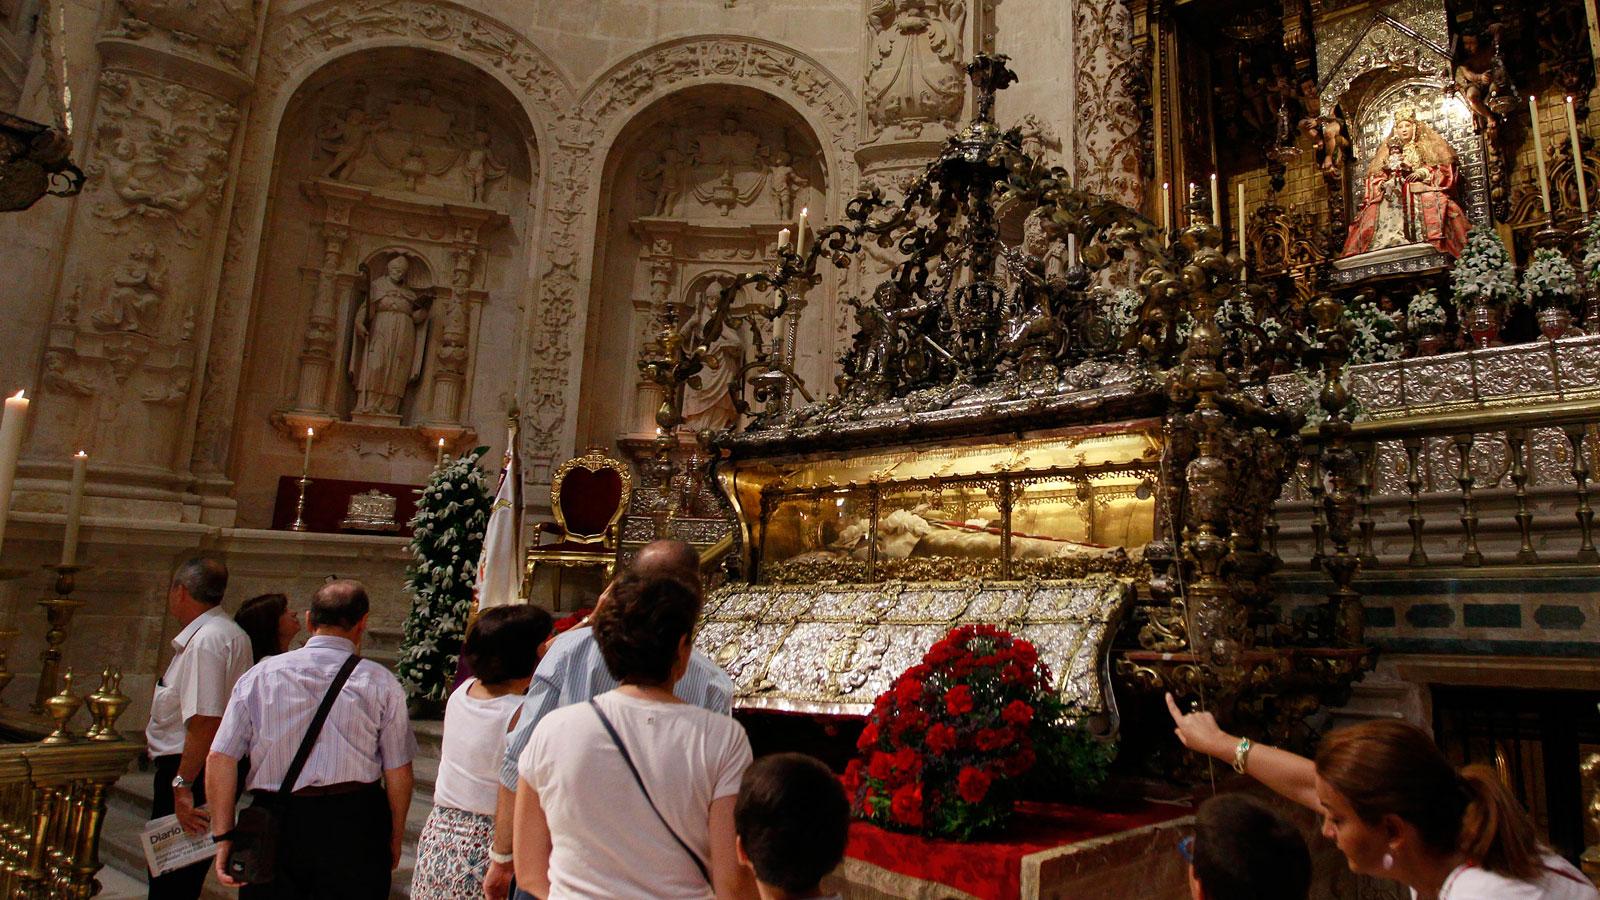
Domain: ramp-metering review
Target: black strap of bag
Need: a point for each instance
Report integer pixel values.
(616, 739)
(310, 740)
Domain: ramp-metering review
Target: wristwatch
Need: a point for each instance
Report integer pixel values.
(179, 782)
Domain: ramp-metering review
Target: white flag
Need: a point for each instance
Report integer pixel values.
(500, 563)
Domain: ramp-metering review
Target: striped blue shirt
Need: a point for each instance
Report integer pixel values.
(573, 671)
(367, 732)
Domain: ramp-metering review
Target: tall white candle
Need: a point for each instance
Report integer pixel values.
(438, 458)
(1216, 202)
(1538, 154)
(305, 468)
(1072, 250)
(1577, 160)
(69, 543)
(800, 235)
(1166, 207)
(1241, 229)
(12, 425)
(1188, 209)
(783, 239)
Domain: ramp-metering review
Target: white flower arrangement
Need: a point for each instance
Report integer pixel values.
(1484, 272)
(1549, 279)
(1591, 256)
(1121, 308)
(1425, 313)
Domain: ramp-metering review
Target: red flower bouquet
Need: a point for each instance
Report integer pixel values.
(948, 745)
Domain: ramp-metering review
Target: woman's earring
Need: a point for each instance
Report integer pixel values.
(1388, 861)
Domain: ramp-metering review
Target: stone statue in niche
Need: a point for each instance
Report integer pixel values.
(915, 74)
(391, 332)
(785, 182)
(1407, 196)
(480, 166)
(133, 300)
(707, 404)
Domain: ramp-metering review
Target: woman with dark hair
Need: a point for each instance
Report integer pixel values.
(502, 649)
(269, 623)
(1241, 850)
(632, 794)
(1399, 810)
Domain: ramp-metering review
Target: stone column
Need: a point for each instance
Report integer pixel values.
(1106, 118)
(141, 252)
(322, 326)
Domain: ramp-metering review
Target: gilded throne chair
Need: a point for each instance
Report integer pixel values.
(588, 496)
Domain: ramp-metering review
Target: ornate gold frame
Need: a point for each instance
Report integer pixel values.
(593, 460)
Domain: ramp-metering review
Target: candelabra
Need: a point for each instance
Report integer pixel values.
(58, 611)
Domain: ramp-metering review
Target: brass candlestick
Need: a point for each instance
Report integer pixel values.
(58, 610)
(300, 507)
(61, 708)
(105, 707)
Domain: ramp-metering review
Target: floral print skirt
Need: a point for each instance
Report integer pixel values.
(452, 855)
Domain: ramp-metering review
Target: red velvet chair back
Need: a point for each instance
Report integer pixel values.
(590, 499)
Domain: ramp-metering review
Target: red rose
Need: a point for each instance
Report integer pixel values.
(907, 762)
(879, 766)
(941, 738)
(908, 691)
(992, 738)
(869, 737)
(852, 777)
(1017, 713)
(958, 700)
(1018, 763)
(972, 784)
(906, 806)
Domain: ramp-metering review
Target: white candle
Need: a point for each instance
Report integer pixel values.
(1216, 202)
(1538, 154)
(69, 543)
(305, 469)
(438, 459)
(800, 235)
(11, 428)
(1188, 209)
(1241, 231)
(783, 239)
(1072, 250)
(1166, 207)
(1577, 160)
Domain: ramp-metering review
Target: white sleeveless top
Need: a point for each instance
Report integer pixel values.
(474, 743)
(1560, 881)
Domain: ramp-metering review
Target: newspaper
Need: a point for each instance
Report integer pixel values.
(167, 846)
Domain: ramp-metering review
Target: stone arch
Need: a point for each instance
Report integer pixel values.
(294, 48)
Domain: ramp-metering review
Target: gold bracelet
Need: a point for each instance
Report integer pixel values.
(1241, 755)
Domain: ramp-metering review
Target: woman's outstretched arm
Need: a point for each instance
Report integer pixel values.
(1289, 774)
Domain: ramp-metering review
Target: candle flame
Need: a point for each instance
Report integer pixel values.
(441, 442)
(310, 432)
(82, 454)
(803, 209)
(19, 395)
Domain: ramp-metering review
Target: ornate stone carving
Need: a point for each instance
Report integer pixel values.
(161, 149)
(226, 25)
(1107, 134)
(133, 298)
(915, 71)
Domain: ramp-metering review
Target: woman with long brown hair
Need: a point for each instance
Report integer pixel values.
(1398, 809)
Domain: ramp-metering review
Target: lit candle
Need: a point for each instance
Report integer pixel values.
(1241, 229)
(69, 544)
(1216, 202)
(1187, 200)
(305, 468)
(1166, 207)
(783, 239)
(800, 235)
(1538, 154)
(1577, 160)
(11, 428)
(438, 459)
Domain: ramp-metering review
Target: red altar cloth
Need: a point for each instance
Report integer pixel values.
(992, 869)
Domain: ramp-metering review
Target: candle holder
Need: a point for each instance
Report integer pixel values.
(61, 708)
(58, 611)
(106, 705)
(300, 506)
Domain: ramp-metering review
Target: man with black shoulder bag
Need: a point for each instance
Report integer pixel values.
(330, 749)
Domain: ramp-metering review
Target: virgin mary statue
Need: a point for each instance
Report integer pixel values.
(1407, 196)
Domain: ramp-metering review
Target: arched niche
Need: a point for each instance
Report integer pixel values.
(696, 187)
(385, 153)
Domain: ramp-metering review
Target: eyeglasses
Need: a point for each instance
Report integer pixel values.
(1186, 849)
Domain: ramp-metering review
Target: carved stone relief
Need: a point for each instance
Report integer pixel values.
(1108, 116)
(744, 167)
(225, 26)
(916, 72)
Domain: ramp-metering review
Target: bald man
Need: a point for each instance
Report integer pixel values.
(572, 671)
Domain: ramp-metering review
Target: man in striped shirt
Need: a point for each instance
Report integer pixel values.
(572, 671)
(346, 815)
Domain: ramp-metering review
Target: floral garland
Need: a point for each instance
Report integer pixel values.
(1375, 333)
(1484, 272)
(1549, 279)
(1425, 314)
(947, 747)
(1591, 256)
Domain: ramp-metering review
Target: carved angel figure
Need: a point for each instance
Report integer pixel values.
(785, 182)
(479, 166)
(133, 299)
(346, 139)
(915, 74)
(390, 334)
(1407, 194)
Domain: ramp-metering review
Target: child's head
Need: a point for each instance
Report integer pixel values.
(792, 819)
(1244, 851)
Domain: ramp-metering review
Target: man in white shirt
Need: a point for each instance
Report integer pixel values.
(345, 815)
(211, 652)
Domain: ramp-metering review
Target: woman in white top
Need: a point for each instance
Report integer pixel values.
(1398, 810)
(632, 794)
(502, 648)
